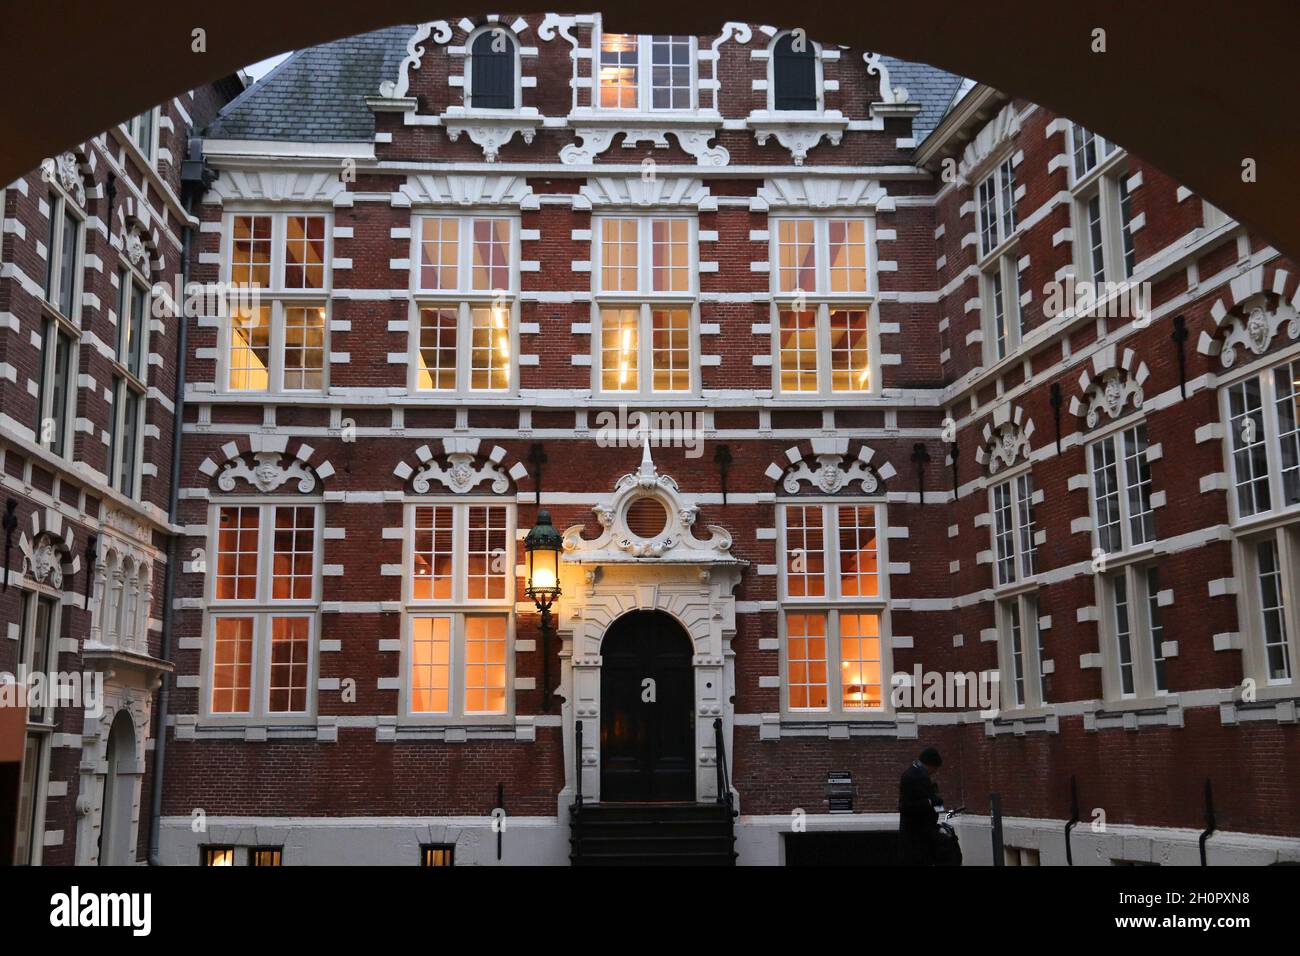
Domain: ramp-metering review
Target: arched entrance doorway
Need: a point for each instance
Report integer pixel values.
(118, 805)
(647, 714)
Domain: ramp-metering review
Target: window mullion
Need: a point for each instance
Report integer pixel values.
(824, 383)
(1286, 557)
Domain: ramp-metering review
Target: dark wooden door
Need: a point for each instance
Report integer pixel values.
(647, 711)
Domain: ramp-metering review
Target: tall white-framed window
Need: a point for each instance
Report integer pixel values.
(644, 326)
(646, 73)
(1270, 564)
(1121, 490)
(1022, 654)
(794, 74)
(464, 308)
(1262, 412)
(263, 610)
(143, 131)
(1015, 550)
(459, 592)
(60, 326)
(38, 633)
(823, 305)
(130, 381)
(999, 261)
(1104, 250)
(276, 337)
(1132, 646)
(834, 587)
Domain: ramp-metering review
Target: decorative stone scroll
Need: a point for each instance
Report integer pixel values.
(267, 474)
(674, 542)
(1109, 386)
(441, 33)
(1006, 439)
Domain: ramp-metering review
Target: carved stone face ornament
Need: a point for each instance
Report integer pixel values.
(45, 565)
(1257, 330)
(1114, 395)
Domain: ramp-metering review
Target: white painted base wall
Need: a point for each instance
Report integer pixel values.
(1165, 846)
(544, 841)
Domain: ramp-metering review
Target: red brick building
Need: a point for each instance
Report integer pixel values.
(966, 429)
(90, 242)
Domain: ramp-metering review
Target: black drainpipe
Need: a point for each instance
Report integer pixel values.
(1211, 823)
(1074, 819)
(194, 178)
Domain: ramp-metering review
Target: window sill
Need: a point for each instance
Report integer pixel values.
(1023, 720)
(1163, 710)
(491, 129)
(585, 116)
(797, 131)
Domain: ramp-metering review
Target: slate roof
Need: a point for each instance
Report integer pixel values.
(934, 89)
(318, 94)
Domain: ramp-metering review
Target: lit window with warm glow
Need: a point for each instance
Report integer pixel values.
(796, 256)
(487, 573)
(439, 253)
(264, 597)
(237, 550)
(847, 246)
(232, 665)
(619, 350)
(293, 554)
(805, 551)
(850, 351)
(643, 344)
(437, 366)
(858, 551)
(277, 340)
(806, 670)
(251, 248)
(820, 257)
(485, 665)
(433, 554)
(797, 338)
(304, 252)
(290, 643)
(646, 255)
(461, 592)
(835, 601)
(647, 73)
(430, 665)
(490, 255)
(618, 255)
(218, 856)
(860, 683)
(250, 350)
(304, 348)
(671, 349)
(490, 363)
(619, 62)
(670, 255)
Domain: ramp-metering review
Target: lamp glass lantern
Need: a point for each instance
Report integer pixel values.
(543, 546)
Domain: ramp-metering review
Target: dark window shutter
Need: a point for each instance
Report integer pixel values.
(794, 75)
(492, 80)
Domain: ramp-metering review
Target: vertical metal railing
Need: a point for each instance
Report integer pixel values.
(724, 782)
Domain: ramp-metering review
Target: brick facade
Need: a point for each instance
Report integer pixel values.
(358, 775)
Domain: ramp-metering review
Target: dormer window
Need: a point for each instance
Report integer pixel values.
(493, 71)
(794, 73)
(646, 73)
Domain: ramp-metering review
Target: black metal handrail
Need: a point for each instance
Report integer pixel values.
(724, 783)
(575, 816)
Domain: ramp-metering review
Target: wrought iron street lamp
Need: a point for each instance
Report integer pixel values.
(543, 546)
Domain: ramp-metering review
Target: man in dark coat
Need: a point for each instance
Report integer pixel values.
(918, 821)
